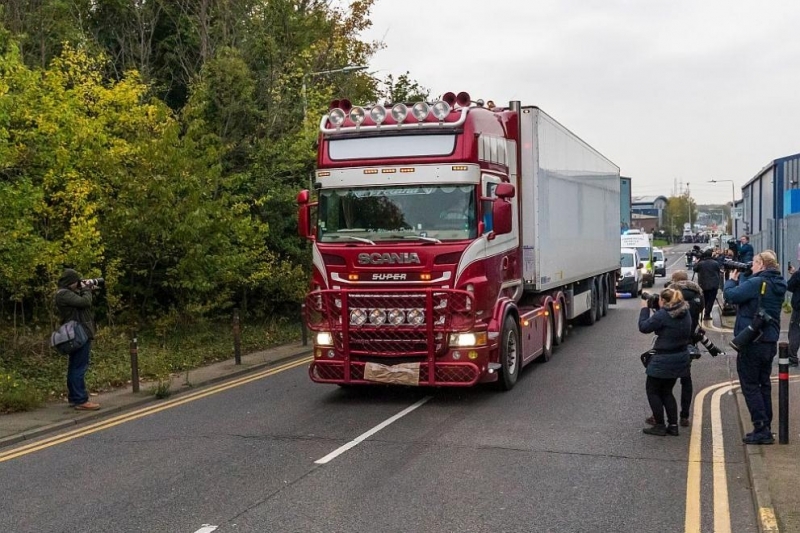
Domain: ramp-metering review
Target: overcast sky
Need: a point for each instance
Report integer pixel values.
(669, 90)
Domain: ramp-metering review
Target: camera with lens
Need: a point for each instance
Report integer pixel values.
(752, 332)
(93, 283)
(745, 268)
(652, 300)
(699, 336)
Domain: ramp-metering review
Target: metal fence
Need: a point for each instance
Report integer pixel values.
(784, 239)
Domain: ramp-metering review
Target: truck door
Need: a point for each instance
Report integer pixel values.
(501, 252)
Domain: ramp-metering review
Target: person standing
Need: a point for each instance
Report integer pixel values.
(673, 328)
(763, 292)
(745, 252)
(708, 278)
(793, 285)
(74, 302)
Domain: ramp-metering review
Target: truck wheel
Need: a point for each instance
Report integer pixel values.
(549, 337)
(561, 324)
(601, 294)
(510, 357)
(590, 317)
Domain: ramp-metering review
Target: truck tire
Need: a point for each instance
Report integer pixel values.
(601, 294)
(561, 324)
(510, 357)
(549, 337)
(590, 317)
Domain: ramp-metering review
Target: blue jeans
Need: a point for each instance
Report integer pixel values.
(754, 365)
(76, 371)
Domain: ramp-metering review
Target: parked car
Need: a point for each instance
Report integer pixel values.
(659, 263)
(630, 278)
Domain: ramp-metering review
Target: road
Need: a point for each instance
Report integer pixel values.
(563, 451)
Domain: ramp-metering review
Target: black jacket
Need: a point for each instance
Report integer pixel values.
(672, 327)
(707, 271)
(793, 285)
(693, 296)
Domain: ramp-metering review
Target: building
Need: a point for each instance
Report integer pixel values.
(769, 210)
(650, 205)
(646, 223)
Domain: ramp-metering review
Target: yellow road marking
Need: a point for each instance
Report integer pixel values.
(140, 413)
(722, 511)
(769, 524)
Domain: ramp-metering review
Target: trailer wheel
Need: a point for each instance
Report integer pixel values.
(510, 360)
(561, 324)
(601, 294)
(549, 337)
(590, 317)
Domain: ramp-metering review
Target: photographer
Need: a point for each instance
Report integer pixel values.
(73, 301)
(745, 251)
(793, 285)
(708, 278)
(759, 299)
(672, 325)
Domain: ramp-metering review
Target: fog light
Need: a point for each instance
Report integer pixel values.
(396, 317)
(416, 317)
(473, 355)
(456, 355)
(377, 317)
(324, 338)
(331, 354)
(358, 317)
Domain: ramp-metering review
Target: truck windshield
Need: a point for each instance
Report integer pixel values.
(425, 213)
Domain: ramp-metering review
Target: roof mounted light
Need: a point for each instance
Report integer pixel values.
(357, 115)
(420, 111)
(346, 106)
(399, 112)
(463, 99)
(336, 117)
(378, 114)
(440, 110)
(450, 98)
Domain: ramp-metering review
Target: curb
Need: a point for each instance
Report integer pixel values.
(138, 402)
(765, 512)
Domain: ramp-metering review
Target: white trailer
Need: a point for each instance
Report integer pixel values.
(570, 206)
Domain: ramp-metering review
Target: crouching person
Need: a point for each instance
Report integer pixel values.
(672, 326)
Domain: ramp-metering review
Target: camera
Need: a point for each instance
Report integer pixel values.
(752, 332)
(745, 268)
(700, 336)
(93, 283)
(652, 300)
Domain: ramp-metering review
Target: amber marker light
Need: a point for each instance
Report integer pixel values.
(459, 167)
(323, 174)
(425, 276)
(370, 171)
(406, 170)
(352, 277)
(388, 170)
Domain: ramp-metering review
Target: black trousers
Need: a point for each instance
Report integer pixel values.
(754, 364)
(659, 394)
(710, 296)
(687, 393)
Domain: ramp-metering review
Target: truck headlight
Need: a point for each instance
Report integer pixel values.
(324, 338)
(466, 340)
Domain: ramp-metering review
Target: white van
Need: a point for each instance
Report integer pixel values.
(645, 248)
(630, 279)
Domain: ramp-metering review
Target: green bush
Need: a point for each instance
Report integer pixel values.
(18, 395)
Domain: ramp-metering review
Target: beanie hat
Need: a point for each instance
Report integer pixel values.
(69, 277)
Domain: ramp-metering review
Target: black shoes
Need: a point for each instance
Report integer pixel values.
(793, 361)
(672, 429)
(685, 422)
(658, 430)
(763, 436)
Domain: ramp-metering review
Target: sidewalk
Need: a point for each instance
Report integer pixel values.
(19, 427)
(775, 470)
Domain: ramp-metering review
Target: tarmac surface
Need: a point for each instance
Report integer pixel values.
(774, 469)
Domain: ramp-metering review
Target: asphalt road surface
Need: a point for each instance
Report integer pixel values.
(563, 451)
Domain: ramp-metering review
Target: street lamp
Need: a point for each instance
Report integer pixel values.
(733, 197)
(344, 70)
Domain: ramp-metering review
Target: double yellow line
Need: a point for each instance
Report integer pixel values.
(146, 411)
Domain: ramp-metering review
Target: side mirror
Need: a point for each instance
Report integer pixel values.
(304, 215)
(504, 190)
(501, 215)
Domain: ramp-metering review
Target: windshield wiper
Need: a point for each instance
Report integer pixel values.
(420, 237)
(359, 239)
